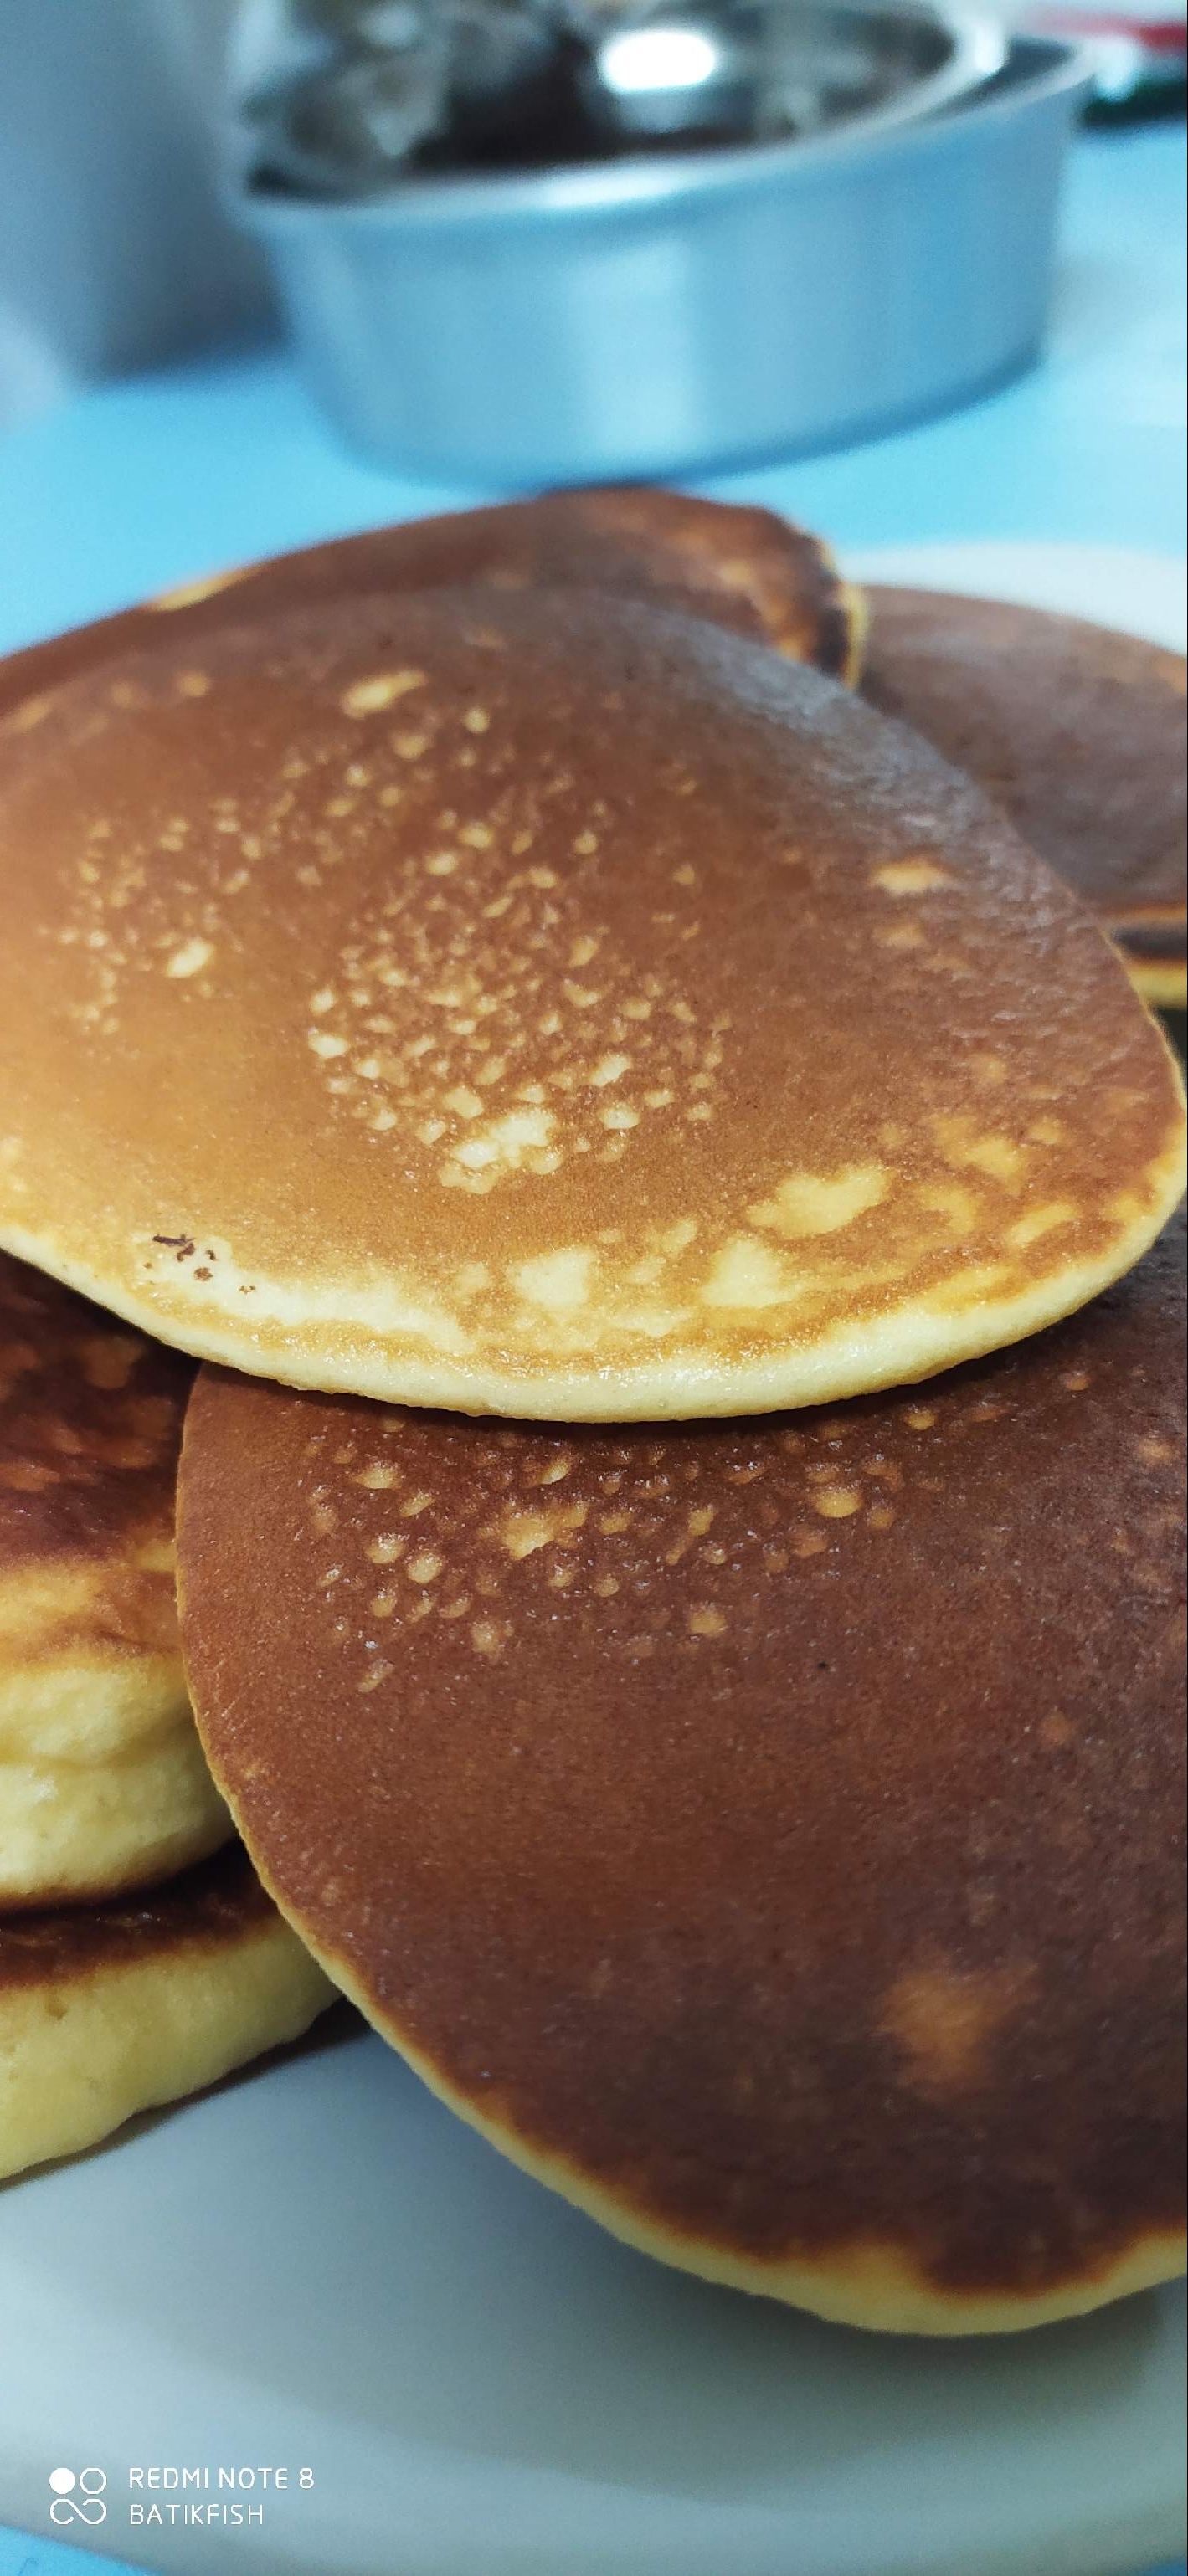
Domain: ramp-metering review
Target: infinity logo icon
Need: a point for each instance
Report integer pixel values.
(78, 2498)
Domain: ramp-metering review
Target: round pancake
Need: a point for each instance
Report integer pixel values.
(742, 568)
(103, 1784)
(769, 1832)
(111, 2009)
(440, 1000)
(1077, 733)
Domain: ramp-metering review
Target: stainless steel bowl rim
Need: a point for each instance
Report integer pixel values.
(980, 44)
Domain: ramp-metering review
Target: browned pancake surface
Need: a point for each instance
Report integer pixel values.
(778, 1822)
(1078, 733)
(210, 1907)
(555, 1006)
(90, 1427)
(744, 568)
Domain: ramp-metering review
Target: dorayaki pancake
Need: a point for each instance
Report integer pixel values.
(110, 2009)
(743, 568)
(768, 1832)
(1076, 732)
(103, 1784)
(550, 1006)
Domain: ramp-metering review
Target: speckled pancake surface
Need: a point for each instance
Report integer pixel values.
(103, 1784)
(111, 2009)
(743, 568)
(440, 1001)
(1078, 733)
(768, 1832)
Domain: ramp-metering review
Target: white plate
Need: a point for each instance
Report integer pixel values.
(321, 2268)
(317, 2267)
(1144, 594)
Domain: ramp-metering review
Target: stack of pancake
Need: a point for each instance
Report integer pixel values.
(139, 1956)
(678, 1523)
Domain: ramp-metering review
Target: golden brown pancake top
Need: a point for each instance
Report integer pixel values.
(1078, 733)
(90, 1427)
(778, 1820)
(550, 1005)
(216, 1903)
(743, 568)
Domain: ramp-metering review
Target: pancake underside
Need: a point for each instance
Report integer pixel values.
(863, 2284)
(767, 1832)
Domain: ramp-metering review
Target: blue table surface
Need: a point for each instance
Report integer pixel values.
(140, 483)
(23, 2556)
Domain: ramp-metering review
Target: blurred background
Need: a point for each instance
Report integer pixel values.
(525, 241)
(275, 270)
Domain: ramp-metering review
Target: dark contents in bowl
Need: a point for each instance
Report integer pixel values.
(360, 94)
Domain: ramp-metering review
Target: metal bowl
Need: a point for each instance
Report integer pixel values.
(663, 314)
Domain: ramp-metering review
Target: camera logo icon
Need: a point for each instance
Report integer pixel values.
(78, 2496)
